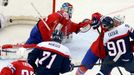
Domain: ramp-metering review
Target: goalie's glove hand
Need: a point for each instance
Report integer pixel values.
(84, 23)
(71, 67)
(95, 24)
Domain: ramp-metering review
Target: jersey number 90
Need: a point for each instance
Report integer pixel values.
(116, 48)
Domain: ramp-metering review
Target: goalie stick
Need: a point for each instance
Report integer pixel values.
(6, 46)
(13, 48)
(40, 16)
(75, 66)
(8, 51)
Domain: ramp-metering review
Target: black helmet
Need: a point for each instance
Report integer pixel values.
(107, 22)
(57, 36)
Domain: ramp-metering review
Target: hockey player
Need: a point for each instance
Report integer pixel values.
(53, 57)
(18, 67)
(96, 51)
(117, 46)
(93, 53)
(58, 20)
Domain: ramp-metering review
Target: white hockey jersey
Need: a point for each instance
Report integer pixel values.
(117, 42)
(55, 47)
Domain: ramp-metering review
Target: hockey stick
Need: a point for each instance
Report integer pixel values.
(94, 64)
(7, 46)
(75, 66)
(12, 48)
(40, 16)
(8, 51)
(119, 70)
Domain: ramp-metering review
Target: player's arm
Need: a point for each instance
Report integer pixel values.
(67, 66)
(131, 30)
(53, 19)
(76, 27)
(6, 71)
(32, 56)
(9, 70)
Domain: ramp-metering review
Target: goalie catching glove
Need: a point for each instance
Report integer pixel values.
(85, 25)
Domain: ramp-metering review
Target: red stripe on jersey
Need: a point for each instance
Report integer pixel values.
(121, 36)
(52, 50)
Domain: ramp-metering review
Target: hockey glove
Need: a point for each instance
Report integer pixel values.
(95, 24)
(71, 67)
(84, 26)
(84, 23)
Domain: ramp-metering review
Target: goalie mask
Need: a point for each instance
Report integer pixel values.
(57, 36)
(68, 8)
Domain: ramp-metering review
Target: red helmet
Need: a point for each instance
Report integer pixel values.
(96, 16)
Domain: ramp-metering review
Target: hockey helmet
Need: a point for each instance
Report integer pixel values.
(57, 36)
(68, 8)
(107, 22)
(119, 18)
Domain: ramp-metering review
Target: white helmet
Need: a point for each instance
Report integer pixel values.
(119, 18)
(21, 53)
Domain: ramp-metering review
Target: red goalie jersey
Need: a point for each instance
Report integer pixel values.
(19, 67)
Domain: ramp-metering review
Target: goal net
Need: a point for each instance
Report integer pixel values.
(17, 19)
